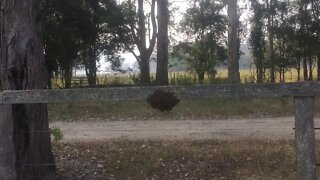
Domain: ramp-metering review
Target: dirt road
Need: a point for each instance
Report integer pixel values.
(224, 129)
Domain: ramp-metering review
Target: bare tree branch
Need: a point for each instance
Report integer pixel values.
(154, 27)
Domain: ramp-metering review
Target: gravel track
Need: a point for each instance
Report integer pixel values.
(224, 129)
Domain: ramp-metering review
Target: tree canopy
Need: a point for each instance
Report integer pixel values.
(204, 24)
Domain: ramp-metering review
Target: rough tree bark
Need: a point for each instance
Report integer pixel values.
(7, 152)
(233, 54)
(23, 67)
(163, 43)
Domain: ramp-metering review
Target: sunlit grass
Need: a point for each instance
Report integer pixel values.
(178, 78)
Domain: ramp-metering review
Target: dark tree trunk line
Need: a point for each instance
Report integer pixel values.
(91, 68)
(310, 67)
(144, 67)
(25, 137)
(318, 67)
(67, 74)
(305, 68)
(163, 43)
(271, 39)
(260, 70)
(233, 52)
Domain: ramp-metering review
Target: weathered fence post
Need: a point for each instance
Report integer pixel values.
(305, 138)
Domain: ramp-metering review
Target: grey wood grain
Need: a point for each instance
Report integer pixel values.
(141, 93)
(305, 138)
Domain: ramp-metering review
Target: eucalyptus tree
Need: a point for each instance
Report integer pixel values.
(59, 26)
(257, 40)
(270, 13)
(162, 42)
(204, 24)
(285, 43)
(307, 20)
(25, 138)
(143, 33)
(233, 50)
(81, 32)
(103, 35)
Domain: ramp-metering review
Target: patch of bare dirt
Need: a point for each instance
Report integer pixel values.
(223, 129)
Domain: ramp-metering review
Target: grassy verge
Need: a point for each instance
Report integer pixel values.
(177, 160)
(200, 109)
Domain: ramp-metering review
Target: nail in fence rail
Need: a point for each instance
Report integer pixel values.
(303, 94)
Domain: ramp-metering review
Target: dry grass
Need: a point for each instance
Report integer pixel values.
(200, 109)
(121, 159)
(248, 75)
(177, 78)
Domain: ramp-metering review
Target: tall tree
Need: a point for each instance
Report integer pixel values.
(162, 43)
(23, 67)
(139, 33)
(233, 52)
(204, 24)
(104, 35)
(308, 29)
(316, 16)
(61, 35)
(81, 32)
(256, 40)
(7, 154)
(270, 17)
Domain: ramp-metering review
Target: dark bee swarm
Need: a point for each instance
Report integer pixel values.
(162, 100)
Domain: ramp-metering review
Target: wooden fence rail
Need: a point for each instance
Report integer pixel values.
(141, 93)
(303, 94)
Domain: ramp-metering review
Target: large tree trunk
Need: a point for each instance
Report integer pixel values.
(67, 77)
(144, 68)
(163, 43)
(233, 54)
(7, 152)
(144, 59)
(201, 77)
(23, 67)
(91, 71)
(260, 71)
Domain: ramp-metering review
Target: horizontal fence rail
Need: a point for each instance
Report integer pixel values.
(141, 93)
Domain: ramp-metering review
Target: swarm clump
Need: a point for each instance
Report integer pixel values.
(162, 100)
